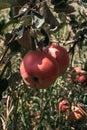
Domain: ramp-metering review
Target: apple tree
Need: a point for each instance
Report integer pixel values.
(28, 26)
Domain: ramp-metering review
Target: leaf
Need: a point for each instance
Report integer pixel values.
(24, 39)
(14, 46)
(3, 84)
(38, 19)
(2, 24)
(64, 7)
(8, 25)
(26, 20)
(0, 96)
(39, 22)
(85, 1)
(20, 32)
(4, 5)
(48, 16)
(8, 3)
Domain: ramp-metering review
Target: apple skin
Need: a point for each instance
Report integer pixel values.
(78, 78)
(63, 105)
(38, 69)
(82, 78)
(60, 55)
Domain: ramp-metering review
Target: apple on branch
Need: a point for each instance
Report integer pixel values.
(38, 69)
(60, 54)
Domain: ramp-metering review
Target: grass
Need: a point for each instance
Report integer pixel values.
(23, 108)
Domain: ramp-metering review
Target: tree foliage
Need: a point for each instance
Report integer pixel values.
(27, 25)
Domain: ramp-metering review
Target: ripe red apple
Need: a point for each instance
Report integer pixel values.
(63, 105)
(38, 69)
(60, 54)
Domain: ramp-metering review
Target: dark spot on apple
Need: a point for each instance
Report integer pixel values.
(36, 79)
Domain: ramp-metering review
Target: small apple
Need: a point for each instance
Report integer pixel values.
(82, 78)
(72, 76)
(78, 78)
(63, 105)
(60, 55)
(76, 113)
(38, 69)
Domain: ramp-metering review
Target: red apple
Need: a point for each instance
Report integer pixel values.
(75, 76)
(60, 54)
(38, 69)
(82, 78)
(63, 105)
(72, 76)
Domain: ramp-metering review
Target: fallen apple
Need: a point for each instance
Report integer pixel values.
(63, 105)
(38, 69)
(60, 55)
(76, 113)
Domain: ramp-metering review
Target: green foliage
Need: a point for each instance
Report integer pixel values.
(64, 23)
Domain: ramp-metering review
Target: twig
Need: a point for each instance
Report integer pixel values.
(5, 66)
(64, 42)
(7, 48)
(3, 123)
(79, 73)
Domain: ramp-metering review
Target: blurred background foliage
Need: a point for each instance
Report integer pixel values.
(33, 25)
